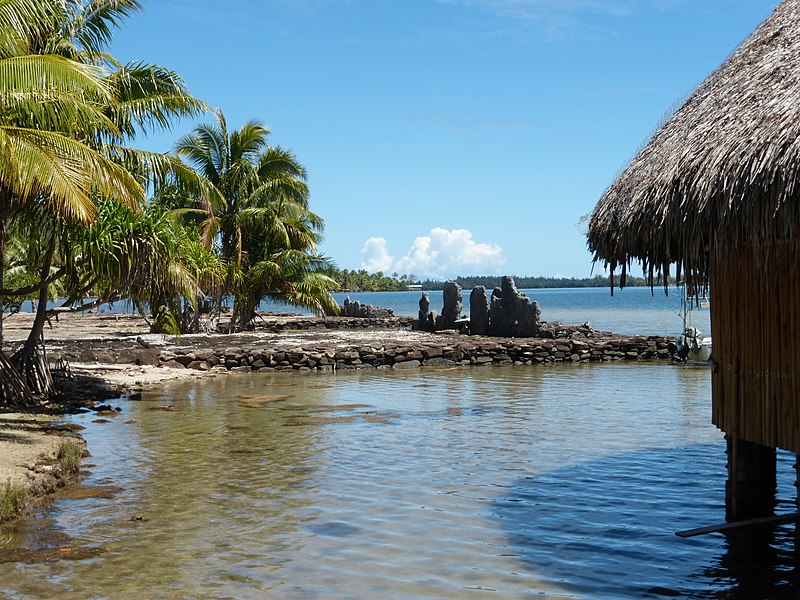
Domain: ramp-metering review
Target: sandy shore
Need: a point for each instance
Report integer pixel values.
(25, 441)
(30, 450)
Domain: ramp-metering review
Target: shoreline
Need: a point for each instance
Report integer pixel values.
(115, 355)
(33, 464)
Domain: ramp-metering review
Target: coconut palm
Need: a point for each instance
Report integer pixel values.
(66, 110)
(262, 227)
(45, 101)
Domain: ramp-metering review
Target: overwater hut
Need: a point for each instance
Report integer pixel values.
(715, 196)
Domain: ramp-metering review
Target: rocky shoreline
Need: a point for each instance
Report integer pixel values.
(335, 343)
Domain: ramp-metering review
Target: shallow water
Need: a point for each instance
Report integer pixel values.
(551, 481)
(637, 310)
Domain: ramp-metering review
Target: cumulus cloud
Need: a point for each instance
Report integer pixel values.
(376, 255)
(441, 254)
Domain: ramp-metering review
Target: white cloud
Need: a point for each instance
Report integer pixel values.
(376, 254)
(439, 255)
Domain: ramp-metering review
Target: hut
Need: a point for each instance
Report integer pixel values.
(714, 198)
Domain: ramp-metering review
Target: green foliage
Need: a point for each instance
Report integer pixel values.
(492, 281)
(70, 453)
(363, 281)
(366, 282)
(12, 500)
(257, 220)
(167, 322)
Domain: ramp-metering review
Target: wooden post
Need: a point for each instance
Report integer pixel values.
(750, 489)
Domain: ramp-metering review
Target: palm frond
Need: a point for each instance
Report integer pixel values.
(150, 96)
(53, 73)
(96, 20)
(63, 170)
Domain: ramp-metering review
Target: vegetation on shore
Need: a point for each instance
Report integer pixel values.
(492, 281)
(70, 454)
(13, 498)
(379, 282)
(86, 215)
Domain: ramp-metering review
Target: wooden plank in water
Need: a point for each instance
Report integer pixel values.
(760, 521)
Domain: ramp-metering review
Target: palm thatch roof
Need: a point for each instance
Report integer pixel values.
(722, 172)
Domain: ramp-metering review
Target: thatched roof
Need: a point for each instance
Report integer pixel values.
(723, 171)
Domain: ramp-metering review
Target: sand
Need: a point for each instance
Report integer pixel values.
(29, 446)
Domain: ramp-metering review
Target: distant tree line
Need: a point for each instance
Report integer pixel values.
(492, 281)
(363, 281)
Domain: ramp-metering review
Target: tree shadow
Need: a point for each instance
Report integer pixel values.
(606, 528)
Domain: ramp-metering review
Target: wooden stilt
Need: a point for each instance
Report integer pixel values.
(751, 485)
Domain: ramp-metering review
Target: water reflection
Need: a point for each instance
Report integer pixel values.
(566, 481)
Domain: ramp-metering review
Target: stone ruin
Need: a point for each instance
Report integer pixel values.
(451, 311)
(426, 319)
(512, 314)
(478, 311)
(509, 314)
(353, 308)
(450, 319)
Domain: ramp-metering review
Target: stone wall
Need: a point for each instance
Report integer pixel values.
(449, 351)
(278, 324)
(354, 308)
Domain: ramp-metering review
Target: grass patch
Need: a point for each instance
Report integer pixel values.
(12, 500)
(70, 453)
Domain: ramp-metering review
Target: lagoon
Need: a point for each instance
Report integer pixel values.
(556, 481)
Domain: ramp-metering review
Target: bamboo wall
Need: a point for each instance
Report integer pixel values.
(755, 320)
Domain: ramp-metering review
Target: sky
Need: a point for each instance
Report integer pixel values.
(446, 137)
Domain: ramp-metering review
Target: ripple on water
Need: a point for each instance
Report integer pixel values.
(565, 482)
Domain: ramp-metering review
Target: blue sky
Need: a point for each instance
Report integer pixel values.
(446, 137)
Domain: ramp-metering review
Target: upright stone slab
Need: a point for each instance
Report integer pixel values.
(451, 311)
(499, 324)
(512, 314)
(425, 318)
(478, 311)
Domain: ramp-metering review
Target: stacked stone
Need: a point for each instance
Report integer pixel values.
(451, 311)
(277, 325)
(478, 311)
(509, 314)
(353, 308)
(426, 318)
(470, 351)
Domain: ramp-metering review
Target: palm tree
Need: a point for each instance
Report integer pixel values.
(66, 110)
(261, 225)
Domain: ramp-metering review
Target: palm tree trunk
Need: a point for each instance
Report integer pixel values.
(14, 392)
(31, 360)
(2, 277)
